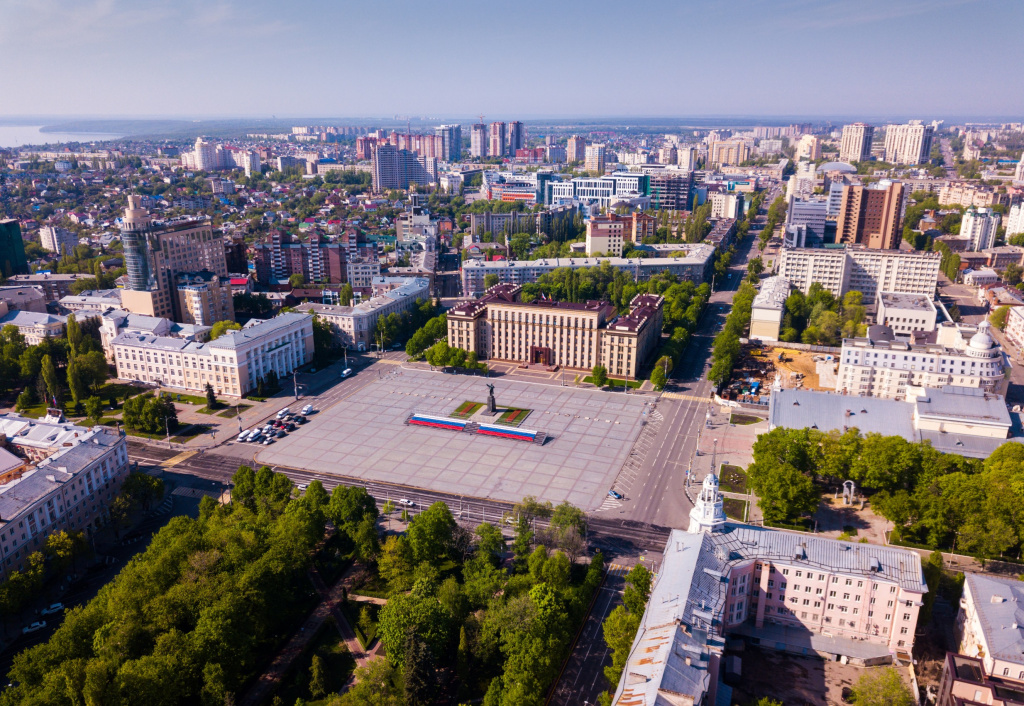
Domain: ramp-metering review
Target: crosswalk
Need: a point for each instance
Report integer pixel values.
(175, 460)
(618, 570)
(681, 396)
(194, 493)
(610, 503)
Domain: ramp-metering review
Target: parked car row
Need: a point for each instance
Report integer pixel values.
(278, 428)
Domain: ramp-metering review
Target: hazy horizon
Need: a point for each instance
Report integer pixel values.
(788, 59)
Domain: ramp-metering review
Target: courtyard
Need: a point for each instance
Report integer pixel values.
(589, 434)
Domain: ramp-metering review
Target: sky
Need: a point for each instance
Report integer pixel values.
(529, 58)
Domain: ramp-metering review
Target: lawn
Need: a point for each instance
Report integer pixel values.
(185, 399)
(744, 419)
(467, 409)
(732, 479)
(514, 416)
(734, 509)
(234, 411)
(633, 384)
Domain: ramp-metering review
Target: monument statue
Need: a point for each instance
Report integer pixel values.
(491, 404)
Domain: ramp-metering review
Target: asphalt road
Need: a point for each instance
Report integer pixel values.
(656, 495)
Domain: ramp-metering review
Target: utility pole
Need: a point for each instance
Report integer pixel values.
(295, 383)
(167, 428)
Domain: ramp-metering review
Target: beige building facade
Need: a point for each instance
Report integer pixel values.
(204, 298)
(550, 334)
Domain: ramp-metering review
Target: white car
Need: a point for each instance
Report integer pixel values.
(346, 372)
(308, 409)
(52, 608)
(406, 501)
(283, 412)
(38, 625)
(268, 441)
(302, 487)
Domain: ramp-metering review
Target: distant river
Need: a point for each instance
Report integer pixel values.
(18, 135)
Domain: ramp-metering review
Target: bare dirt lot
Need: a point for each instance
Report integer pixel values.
(793, 680)
(798, 362)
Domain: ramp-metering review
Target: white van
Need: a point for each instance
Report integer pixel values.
(283, 412)
(346, 372)
(242, 435)
(308, 409)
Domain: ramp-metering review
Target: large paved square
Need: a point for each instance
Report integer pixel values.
(365, 436)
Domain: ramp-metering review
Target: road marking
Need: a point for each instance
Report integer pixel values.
(618, 569)
(681, 396)
(175, 460)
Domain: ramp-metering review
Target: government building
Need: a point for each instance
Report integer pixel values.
(549, 334)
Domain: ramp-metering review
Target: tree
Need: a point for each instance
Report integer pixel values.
(883, 687)
(74, 335)
(76, 382)
(431, 535)
(26, 399)
(211, 398)
(658, 378)
(317, 678)
(222, 327)
(490, 280)
(783, 492)
(599, 375)
(619, 630)
(49, 373)
(345, 295)
(296, 281)
(93, 409)
(638, 589)
(998, 317)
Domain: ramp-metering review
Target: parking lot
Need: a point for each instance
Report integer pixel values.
(365, 436)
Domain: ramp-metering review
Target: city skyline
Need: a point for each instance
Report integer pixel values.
(228, 59)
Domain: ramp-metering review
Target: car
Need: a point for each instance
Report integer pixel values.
(52, 608)
(291, 427)
(346, 372)
(302, 487)
(38, 625)
(307, 409)
(268, 441)
(281, 433)
(301, 420)
(283, 412)
(406, 502)
(615, 494)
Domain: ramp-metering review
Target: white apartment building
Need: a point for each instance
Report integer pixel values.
(988, 624)
(908, 144)
(1015, 327)
(768, 308)
(725, 205)
(1015, 221)
(882, 366)
(56, 239)
(855, 145)
(809, 147)
(233, 364)
(980, 226)
(865, 270)
(594, 160)
(62, 478)
(1018, 174)
(906, 313)
(355, 326)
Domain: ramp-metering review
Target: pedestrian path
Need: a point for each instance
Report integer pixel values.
(681, 396)
(175, 460)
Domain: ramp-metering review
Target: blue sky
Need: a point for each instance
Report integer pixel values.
(208, 58)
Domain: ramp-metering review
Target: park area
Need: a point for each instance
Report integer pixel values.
(589, 434)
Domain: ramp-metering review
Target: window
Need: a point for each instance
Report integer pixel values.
(906, 616)
(903, 631)
(1006, 671)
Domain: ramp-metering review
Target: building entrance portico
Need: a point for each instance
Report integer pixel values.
(541, 355)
